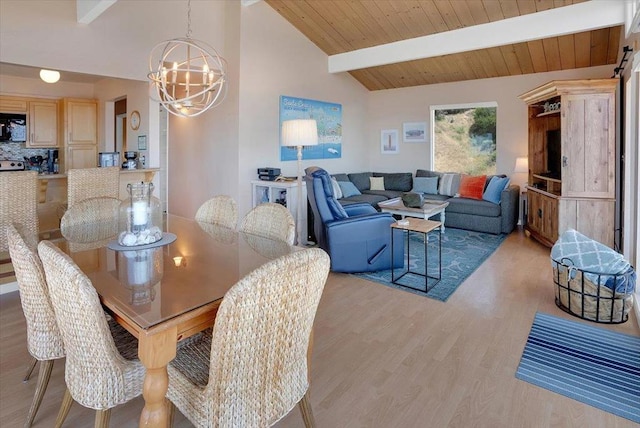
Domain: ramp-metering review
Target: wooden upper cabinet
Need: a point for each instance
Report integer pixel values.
(81, 118)
(10, 104)
(588, 146)
(79, 133)
(43, 124)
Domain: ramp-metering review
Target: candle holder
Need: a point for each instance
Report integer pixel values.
(140, 217)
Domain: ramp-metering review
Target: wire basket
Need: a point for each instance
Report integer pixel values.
(594, 296)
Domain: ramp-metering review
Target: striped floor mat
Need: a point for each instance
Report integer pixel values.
(589, 364)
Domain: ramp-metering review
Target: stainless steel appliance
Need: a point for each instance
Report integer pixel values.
(130, 162)
(52, 161)
(11, 165)
(108, 159)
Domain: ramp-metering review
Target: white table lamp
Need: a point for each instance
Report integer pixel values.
(299, 133)
(522, 167)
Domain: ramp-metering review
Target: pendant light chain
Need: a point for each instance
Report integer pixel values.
(188, 19)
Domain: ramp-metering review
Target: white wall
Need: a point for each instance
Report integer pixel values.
(26, 87)
(389, 109)
(278, 60)
(44, 33)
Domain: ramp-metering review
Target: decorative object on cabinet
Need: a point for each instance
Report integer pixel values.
(572, 159)
(195, 82)
(414, 132)
(49, 76)
(135, 120)
(299, 133)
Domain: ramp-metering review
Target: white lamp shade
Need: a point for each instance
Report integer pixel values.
(522, 165)
(50, 76)
(299, 132)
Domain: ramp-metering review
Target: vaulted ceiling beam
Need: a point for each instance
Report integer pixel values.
(88, 10)
(587, 16)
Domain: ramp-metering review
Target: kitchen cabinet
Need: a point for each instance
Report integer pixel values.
(10, 104)
(43, 124)
(580, 193)
(79, 120)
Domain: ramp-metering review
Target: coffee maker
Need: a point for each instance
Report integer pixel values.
(130, 162)
(52, 161)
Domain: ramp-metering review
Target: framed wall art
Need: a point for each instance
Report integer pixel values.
(329, 119)
(414, 132)
(389, 141)
(142, 142)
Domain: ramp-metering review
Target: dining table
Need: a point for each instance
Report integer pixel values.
(163, 294)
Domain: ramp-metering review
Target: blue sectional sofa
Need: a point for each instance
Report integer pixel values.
(462, 213)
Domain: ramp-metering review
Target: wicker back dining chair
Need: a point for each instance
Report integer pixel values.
(221, 210)
(44, 341)
(90, 223)
(253, 368)
(271, 221)
(88, 183)
(96, 373)
(18, 206)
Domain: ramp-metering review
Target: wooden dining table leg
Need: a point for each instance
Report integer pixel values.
(155, 350)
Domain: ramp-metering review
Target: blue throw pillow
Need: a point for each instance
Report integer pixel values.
(425, 185)
(348, 189)
(493, 192)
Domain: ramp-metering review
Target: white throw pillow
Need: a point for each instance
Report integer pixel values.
(377, 183)
(337, 191)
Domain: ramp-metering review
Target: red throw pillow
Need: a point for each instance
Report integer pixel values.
(472, 187)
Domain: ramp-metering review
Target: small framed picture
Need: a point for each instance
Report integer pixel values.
(142, 142)
(389, 141)
(414, 132)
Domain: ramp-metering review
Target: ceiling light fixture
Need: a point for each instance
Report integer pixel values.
(49, 76)
(187, 76)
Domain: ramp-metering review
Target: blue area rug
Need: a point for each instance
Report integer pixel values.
(462, 252)
(592, 365)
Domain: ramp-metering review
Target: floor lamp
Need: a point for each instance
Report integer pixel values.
(299, 133)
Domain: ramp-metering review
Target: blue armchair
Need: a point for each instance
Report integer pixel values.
(356, 237)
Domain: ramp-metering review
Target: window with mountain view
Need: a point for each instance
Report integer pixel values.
(464, 138)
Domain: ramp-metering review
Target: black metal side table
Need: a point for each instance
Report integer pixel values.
(424, 227)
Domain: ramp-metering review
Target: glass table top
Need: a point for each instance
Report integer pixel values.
(153, 285)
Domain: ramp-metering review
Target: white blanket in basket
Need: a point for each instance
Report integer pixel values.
(581, 252)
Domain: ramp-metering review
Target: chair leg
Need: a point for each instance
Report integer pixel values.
(44, 375)
(305, 409)
(30, 370)
(172, 413)
(67, 401)
(102, 418)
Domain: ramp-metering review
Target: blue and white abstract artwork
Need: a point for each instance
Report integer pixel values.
(329, 119)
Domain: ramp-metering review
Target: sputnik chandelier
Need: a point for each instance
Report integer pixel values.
(187, 76)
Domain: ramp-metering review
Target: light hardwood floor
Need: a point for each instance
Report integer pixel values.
(387, 358)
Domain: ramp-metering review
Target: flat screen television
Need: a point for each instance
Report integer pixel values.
(554, 151)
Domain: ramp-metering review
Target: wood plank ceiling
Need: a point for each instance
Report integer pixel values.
(338, 26)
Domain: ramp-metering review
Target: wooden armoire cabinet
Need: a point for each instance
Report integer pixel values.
(572, 177)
